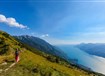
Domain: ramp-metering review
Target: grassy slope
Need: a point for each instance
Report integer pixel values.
(32, 64)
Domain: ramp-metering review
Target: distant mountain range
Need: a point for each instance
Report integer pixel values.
(93, 49)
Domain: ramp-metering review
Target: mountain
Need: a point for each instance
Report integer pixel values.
(34, 64)
(84, 59)
(94, 49)
(41, 45)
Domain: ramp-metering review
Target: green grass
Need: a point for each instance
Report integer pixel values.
(32, 65)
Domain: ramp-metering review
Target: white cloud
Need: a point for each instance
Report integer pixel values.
(11, 22)
(45, 35)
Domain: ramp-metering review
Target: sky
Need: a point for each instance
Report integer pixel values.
(56, 21)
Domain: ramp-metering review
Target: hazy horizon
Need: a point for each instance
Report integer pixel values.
(57, 22)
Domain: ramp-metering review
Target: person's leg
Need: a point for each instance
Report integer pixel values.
(17, 58)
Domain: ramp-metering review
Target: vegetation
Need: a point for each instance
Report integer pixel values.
(33, 62)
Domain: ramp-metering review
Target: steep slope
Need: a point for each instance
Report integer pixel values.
(94, 49)
(34, 64)
(40, 44)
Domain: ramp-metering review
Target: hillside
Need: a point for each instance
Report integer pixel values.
(34, 64)
(41, 45)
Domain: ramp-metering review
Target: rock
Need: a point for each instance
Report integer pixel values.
(1, 70)
(5, 63)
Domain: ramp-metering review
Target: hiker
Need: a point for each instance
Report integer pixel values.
(17, 55)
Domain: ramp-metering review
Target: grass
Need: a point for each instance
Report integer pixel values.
(32, 64)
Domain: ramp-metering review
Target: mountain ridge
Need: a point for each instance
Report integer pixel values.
(41, 44)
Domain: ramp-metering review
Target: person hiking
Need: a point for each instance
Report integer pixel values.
(17, 55)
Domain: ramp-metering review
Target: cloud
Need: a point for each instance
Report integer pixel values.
(45, 35)
(11, 22)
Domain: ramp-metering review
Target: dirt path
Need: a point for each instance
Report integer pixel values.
(5, 70)
(10, 66)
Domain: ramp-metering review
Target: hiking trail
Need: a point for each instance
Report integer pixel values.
(5, 70)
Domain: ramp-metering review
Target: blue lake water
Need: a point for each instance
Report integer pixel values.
(94, 62)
